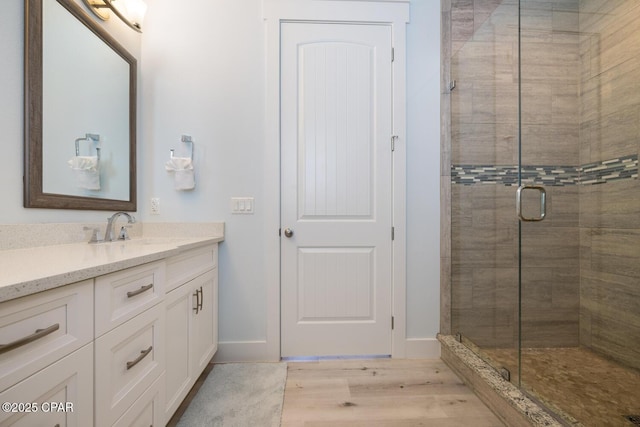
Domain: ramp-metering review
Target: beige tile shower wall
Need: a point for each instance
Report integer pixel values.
(484, 265)
(484, 131)
(485, 268)
(610, 213)
(550, 64)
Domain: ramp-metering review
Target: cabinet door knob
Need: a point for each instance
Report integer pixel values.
(288, 232)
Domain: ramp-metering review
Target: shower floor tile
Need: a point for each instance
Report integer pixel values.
(582, 385)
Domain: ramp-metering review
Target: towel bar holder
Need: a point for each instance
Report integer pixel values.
(91, 137)
(187, 140)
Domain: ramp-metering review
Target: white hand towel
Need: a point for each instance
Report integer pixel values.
(86, 171)
(183, 173)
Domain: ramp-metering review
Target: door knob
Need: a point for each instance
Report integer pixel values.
(288, 232)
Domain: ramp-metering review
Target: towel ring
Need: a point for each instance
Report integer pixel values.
(91, 137)
(187, 140)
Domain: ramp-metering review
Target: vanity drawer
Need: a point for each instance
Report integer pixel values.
(148, 410)
(124, 294)
(39, 329)
(61, 392)
(189, 265)
(128, 360)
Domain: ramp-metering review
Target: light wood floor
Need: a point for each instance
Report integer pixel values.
(380, 392)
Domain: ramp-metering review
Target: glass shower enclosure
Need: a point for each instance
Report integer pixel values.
(545, 199)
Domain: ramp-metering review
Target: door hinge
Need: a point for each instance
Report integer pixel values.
(393, 233)
(393, 54)
(393, 142)
(392, 322)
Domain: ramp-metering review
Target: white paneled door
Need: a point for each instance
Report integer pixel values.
(336, 194)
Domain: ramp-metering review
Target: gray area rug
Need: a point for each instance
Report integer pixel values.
(239, 395)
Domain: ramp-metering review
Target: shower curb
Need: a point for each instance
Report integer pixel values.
(512, 406)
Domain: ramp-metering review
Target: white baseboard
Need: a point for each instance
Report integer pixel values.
(422, 348)
(244, 351)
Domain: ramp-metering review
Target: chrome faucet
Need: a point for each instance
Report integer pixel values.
(109, 235)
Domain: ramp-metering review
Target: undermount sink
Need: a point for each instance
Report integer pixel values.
(152, 241)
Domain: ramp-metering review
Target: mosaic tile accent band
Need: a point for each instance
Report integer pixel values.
(609, 170)
(593, 173)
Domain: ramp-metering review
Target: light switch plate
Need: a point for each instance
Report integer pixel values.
(242, 205)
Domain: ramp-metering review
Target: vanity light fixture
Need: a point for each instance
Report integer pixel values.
(130, 11)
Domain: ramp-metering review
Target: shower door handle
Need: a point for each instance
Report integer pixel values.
(543, 202)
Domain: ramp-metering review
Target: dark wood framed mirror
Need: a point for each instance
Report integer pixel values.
(80, 112)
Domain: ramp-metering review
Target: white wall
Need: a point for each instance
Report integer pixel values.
(203, 73)
(423, 169)
(11, 106)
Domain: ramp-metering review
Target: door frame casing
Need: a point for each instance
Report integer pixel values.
(395, 14)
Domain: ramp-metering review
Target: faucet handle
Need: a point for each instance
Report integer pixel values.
(124, 235)
(95, 234)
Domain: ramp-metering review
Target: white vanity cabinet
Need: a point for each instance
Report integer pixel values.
(122, 295)
(129, 342)
(191, 321)
(148, 410)
(59, 395)
(46, 357)
(121, 347)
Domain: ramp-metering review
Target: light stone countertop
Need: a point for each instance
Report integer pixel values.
(29, 270)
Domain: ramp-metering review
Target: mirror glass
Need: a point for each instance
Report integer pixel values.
(80, 133)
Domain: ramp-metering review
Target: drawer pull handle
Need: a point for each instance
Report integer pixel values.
(142, 289)
(143, 354)
(39, 333)
(201, 299)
